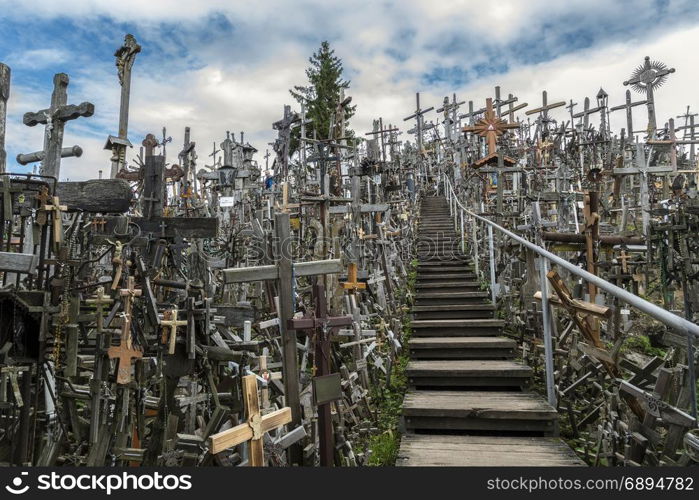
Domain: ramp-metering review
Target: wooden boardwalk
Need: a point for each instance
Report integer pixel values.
(468, 404)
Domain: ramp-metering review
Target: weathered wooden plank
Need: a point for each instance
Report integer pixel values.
(467, 451)
(18, 262)
(96, 196)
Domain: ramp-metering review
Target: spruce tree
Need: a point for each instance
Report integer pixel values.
(322, 94)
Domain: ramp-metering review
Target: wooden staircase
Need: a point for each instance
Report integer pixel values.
(467, 403)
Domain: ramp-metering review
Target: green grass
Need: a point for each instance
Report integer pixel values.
(389, 400)
(641, 343)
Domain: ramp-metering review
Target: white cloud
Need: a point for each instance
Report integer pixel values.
(241, 79)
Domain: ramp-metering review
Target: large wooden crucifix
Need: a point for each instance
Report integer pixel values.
(322, 324)
(125, 57)
(4, 96)
(55, 118)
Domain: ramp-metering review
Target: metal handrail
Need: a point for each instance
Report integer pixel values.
(677, 323)
(666, 317)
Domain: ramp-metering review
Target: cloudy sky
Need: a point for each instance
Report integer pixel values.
(218, 65)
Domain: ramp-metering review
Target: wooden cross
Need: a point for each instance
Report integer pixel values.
(647, 77)
(321, 324)
(57, 209)
(99, 301)
(4, 96)
(490, 127)
(629, 113)
(285, 205)
(544, 109)
(170, 320)
(253, 429)
(55, 118)
(352, 283)
(125, 352)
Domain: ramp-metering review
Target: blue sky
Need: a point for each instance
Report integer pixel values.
(220, 65)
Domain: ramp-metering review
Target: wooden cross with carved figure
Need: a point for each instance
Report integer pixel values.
(253, 429)
(491, 127)
(125, 352)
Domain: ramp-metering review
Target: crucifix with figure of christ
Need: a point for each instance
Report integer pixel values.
(55, 118)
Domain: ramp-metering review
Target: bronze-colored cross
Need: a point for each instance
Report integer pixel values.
(99, 223)
(125, 352)
(170, 320)
(99, 301)
(254, 429)
(352, 283)
(490, 126)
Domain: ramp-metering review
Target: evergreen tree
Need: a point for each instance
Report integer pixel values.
(322, 94)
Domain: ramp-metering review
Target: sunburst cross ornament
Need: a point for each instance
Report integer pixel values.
(491, 127)
(647, 77)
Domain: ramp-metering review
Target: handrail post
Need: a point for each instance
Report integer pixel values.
(548, 340)
(474, 233)
(463, 239)
(491, 252)
(691, 371)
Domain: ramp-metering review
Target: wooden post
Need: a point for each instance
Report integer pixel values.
(4, 96)
(290, 362)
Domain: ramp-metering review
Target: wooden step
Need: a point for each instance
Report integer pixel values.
(431, 298)
(462, 348)
(483, 373)
(447, 268)
(418, 450)
(491, 411)
(452, 286)
(446, 276)
(453, 311)
(457, 327)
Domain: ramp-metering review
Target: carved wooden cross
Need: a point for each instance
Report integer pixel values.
(490, 127)
(253, 429)
(55, 118)
(170, 320)
(125, 352)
